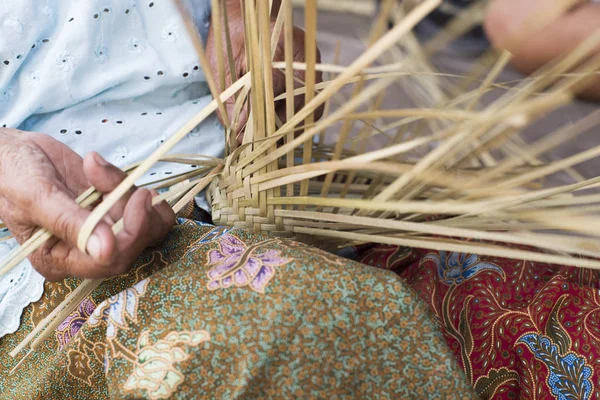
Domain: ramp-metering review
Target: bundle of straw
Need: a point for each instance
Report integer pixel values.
(450, 175)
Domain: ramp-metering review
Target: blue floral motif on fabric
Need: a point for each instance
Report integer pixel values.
(569, 375)
(214, 234)
(183, 221)
(456, 268)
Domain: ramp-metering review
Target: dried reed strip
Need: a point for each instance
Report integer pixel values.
(218, 36)
(422, 88)
(175, 179)
(547, 143)
(418, 113)
(289, 79)
(381, 21)
(498, 67)
(228, 44)
(310, 53)
(47, 326)
(230, 134)
(458, 26)
(550, 73)
(511, 201)
(565, 220)
(299, 173)
(267, 39)
(362, 147)
(567, 201)
(455, 246)
(458, 141)
(129, 182)
(441, 207)
(75, 297)
(204, 63)
(254, 57)
(482, 224)
(326, 77)
(341, 140)
(19, 254)
(381, 69)
(362, 62)
(500, 130)
(551, 168)
(548, 242)
(368, 93)
(200, 185)
(358, 7)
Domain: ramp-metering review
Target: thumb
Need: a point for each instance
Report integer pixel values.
(59, 213)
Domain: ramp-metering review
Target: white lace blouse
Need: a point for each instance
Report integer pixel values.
(113, 76)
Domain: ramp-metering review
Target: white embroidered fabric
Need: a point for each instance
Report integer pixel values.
(113, 76)
(19, 288)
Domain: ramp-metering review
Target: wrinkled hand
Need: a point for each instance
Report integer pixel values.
(236, 28)
(40, 179)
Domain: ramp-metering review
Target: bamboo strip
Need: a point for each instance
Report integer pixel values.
(19, 254)
(363, 61)
(128, 183)
(204, 63)
(310, 53)
(457, 141)
(289, 80)
(218, 37)
(359, 7)
(470, 248)
(547, 242)
(47, 326)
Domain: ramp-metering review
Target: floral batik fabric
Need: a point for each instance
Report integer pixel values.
(519, 329)
(215, 312)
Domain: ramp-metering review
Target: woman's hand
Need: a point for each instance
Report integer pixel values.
(236, 28)
(40, 179)
(508, 24)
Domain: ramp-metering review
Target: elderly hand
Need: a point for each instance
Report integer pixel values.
(40, 178)
(236, 28)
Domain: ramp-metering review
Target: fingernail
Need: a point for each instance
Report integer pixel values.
(101, 161)
(94, 246)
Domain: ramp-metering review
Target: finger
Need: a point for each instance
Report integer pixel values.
(58, 260)
(105, 177)
(54, 209)
(142, 226)
(166, 217)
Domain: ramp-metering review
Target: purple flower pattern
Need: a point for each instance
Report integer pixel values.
(235, 264)
(67, 330)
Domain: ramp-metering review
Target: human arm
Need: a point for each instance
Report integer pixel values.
(40, 179)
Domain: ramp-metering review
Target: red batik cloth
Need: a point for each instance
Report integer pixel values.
(519, 329)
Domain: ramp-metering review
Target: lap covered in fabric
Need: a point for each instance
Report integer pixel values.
(223, 313)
